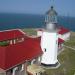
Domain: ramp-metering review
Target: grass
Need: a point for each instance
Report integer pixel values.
(66, 58)
(67, 61)
(71, 42)
(30, 31)
(4, 43)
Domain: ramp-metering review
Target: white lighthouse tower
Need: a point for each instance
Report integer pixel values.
(49, 40)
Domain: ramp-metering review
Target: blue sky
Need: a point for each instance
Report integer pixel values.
(63, 7)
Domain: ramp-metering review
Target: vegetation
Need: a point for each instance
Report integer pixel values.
(71, 42)
(4, 43)
(30, 31)
(67, 61)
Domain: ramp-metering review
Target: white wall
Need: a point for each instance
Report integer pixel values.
(50, 26)
(65, 36)
(49, 41)
(39, 33)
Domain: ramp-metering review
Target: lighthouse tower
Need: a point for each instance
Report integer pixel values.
(49, 40)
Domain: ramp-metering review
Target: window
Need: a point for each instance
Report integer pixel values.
(19, 40)
(11, 70)
(45, 49)
(53, 19)
(46, 18)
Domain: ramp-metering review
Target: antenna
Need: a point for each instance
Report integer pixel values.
(52, 2)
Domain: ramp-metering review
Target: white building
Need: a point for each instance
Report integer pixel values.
(64, 34)
(39, 32)
(49, 40)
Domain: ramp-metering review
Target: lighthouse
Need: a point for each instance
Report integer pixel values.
(49, 39)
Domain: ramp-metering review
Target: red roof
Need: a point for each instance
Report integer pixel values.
(63, 30)
(18, 53)
(10, 34)
(15, 54)
(60, 40)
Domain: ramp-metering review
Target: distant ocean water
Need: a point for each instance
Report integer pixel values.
(11, 21)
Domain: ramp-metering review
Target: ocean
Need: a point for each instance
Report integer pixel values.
(12, 21)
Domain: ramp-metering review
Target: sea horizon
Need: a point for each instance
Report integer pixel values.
(20, 20)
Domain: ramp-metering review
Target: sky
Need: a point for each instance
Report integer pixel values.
(63, 7)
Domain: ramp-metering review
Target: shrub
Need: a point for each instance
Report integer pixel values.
(4, 43)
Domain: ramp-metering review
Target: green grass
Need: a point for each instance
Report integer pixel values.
(30, 31)
(4, 43)
(71, 42)
(67, 61)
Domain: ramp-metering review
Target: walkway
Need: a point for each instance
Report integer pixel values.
(34, 68)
